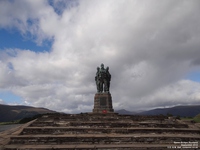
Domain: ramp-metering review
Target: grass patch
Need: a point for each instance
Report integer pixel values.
(21, 121)
(8, 123)
(186, 118)
(197, 118)
(25, 120)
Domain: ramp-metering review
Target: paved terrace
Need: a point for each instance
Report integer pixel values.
(102, 131)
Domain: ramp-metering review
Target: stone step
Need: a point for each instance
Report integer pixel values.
(139, 146)
(101, 139)
(97, 116)
(100, 130)
(109, 124)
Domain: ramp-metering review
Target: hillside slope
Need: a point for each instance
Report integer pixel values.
(189, 111)
(10, 113)
(182, 111)
(124, 112)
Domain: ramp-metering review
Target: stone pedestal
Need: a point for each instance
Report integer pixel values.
(103, 103)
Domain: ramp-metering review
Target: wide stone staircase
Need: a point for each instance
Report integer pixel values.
(105, 131)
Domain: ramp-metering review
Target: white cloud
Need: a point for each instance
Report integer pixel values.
(183, 92)
(148, 45)
(1, 101)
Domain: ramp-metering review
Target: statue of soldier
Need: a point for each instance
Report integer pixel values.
(97, 80)
(108, 79)
(102, 79)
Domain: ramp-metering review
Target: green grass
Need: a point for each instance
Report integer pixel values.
(195, 119)
(24, 120)
(186, 118)
(12, 122)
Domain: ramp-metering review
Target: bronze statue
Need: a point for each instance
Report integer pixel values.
(102, 79)
(97, 79)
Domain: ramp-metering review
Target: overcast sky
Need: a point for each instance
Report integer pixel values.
(49, 52)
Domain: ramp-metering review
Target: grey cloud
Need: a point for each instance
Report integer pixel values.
(196, 62)
(148, 45)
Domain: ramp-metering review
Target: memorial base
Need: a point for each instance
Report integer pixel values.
(103, 103)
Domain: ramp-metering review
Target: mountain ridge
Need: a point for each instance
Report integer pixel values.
(16, 112)
(10, 113)
(182, 111)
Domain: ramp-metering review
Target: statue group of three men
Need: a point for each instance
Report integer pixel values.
(102, 79)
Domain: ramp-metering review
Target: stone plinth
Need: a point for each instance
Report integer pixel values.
(103, 103)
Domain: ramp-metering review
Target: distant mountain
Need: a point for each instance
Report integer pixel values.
(182, 111)
(124, 112)
(11, 113)
(189, 111)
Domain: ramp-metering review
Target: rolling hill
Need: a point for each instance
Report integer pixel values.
(11, 113)
(125, 112)
(182, 111)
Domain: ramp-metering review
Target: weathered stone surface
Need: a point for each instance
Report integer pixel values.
(89, 131)
(103, 103)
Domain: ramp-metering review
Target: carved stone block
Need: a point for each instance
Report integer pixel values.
(103, 103)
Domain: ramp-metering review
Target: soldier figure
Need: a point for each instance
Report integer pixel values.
(102, 79)
(97, 80)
